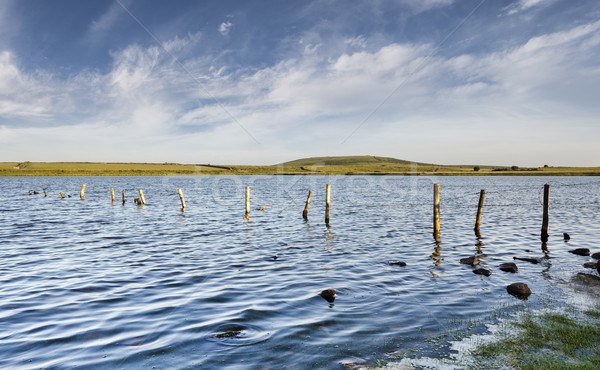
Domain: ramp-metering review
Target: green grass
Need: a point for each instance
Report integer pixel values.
(548, 341)
(350, 165)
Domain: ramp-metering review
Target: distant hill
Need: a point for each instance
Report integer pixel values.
(346, 161)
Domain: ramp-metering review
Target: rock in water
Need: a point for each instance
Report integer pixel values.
(596, 256)
(590, 265)
(472, 261)
(566, 236)
(397, 263)
(519, 290)
(509, 267)
(328, 295)
(581, 251)
(527, 259)
(484, 272)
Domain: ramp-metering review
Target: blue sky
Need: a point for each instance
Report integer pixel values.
(262, 82)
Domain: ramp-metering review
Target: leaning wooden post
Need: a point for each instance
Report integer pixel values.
(142, 197)
(436, 211)
(181, 198)
(327, 203)
(62, 196)
(112, 195)
(305, 213)
(247, 202)
(479, 210)
(545, 217)
(82, 191)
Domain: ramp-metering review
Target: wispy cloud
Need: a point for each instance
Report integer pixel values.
(225, 28)
(522, 5)
(101, 26)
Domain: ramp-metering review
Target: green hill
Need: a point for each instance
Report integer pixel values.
(346, 161)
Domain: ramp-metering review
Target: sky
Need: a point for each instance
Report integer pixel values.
(494, 82)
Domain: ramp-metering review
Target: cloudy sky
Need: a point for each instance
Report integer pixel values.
(507, 82)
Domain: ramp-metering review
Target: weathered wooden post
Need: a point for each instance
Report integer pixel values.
(123, 196)
(545, 217)
(82, 191)
(247, 203)
(112, 195)
(479, 210)
(62, 196)
(305, 212)
(327, 204)
(436, 211)
(181, 198)
(142, 197)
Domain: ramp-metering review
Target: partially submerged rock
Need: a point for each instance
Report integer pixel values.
(591, 265)
(355, 363)
(566, 236)
(471, 261)
(580, 251)
(484, 272)
(328, 295)
(519, 290)
(596, 256)
(527, 259)
(509, 267)
(397, 263)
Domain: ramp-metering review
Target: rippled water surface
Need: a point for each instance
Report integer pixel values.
(86, 283)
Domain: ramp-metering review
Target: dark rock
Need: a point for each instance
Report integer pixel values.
(509, 267)
(36, 192)
(397, 263)
(581, 251)
(233, 332)
(527, 259)
(471, 261)
(590, 265)
(274, 258)
(519, 290)
(596, 256)
(566, 236)
(484, 272)
(328, 295)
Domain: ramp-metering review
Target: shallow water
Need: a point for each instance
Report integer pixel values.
(87, 283)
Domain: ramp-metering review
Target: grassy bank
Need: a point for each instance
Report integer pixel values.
(356, 165)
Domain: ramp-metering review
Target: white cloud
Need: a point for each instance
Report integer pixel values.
(102, 25)
(225, 28)
(358, 41)
(522, 5)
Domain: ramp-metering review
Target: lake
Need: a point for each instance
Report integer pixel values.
(86, 283)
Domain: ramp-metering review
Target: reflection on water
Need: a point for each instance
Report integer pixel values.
(90, 284)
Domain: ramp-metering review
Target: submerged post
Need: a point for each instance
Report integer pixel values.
(181, 198)
(545, 217)
(142, 197)
(479, 210)
(82, 191)
(436, 211)
(112, 195)
(123, 196)
(247, 202)
(305, 213)
(327, 204)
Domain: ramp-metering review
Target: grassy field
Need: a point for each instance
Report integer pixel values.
(352, 165)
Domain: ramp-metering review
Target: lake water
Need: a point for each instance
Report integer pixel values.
(87, 283)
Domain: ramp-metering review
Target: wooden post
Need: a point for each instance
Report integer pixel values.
(545, 217)
(112, 195)
(305, 213)
(436, 211)
(82, 191)
(247, 215)
(142, 197)
(327, 203)
(181, 198)
(479, 210)
(62, 195)
(123, 196)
